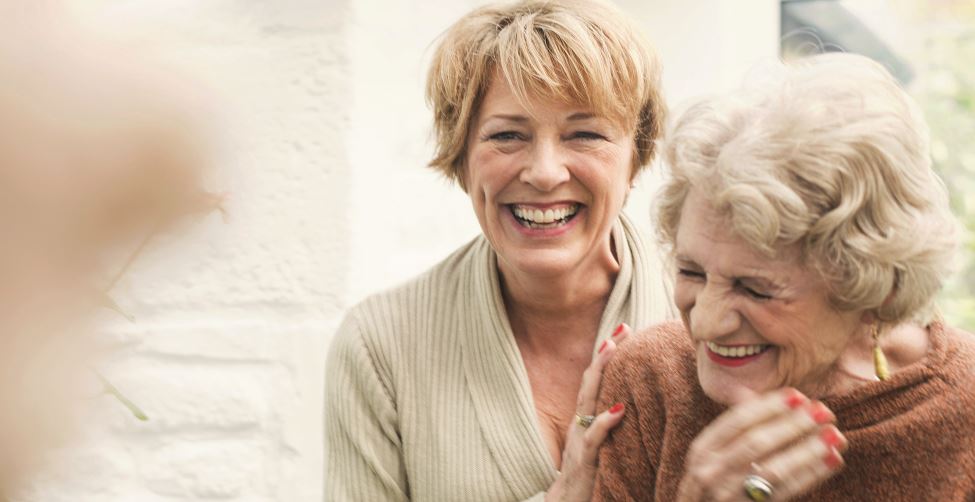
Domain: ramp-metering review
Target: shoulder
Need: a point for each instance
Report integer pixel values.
(959, 369)
(383, 324)
(659, 358)
(426, 295)
(666, 343)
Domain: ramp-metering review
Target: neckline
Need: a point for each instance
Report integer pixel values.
(496, 375)
(909, 382)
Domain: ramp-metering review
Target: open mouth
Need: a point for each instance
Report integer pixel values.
(551, 217)
(735, 355)
(737, 351)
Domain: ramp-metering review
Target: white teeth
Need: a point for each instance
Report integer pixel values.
(549, 216)
(736, 351)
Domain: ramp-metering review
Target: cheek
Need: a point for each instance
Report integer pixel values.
(684, 295)
(604, 172)
(782, 327)
(486, 173)
(806, 343)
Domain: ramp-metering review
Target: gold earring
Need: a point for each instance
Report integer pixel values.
(879, 359)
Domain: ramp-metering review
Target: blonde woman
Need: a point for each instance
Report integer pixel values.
(810, 236)
(477, 380)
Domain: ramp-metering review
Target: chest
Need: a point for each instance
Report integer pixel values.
(555, 388)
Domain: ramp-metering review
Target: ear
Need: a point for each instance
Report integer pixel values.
(868, 317)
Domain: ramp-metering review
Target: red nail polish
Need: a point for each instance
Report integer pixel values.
(618, 407)
(833, 459)
(831, 436)
(795, 399)
(619, 329)
(603, 346)
(820, 413)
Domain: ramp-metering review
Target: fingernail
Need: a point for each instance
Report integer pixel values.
(618, 407)
(795, 399)
(603, 346)
(619, 329)
(832, 437)
(833, 459)
(820, 413)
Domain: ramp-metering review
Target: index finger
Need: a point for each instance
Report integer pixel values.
(591, 378)
(746, 415)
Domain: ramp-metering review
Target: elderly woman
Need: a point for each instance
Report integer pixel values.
(810, 236)
(477, 380)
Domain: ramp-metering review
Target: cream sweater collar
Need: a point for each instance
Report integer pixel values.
(496, 375)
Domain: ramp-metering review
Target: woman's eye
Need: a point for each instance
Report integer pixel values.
(692, 274)
(506, 136)
(755, 294)
(588, 135)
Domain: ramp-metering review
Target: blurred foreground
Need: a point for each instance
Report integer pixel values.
(97, 157)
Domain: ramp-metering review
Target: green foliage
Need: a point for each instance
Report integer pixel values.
(946, 93)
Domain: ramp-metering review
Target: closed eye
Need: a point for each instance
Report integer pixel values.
(754, 294)
(691, 274)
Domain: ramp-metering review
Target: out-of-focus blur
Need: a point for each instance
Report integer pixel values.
(97, 157)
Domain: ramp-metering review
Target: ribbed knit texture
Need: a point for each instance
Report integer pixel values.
(427, 397)
(911, 438)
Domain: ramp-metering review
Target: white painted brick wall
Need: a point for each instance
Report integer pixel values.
(326, 136)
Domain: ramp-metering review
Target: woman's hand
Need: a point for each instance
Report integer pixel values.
(780, 436)
(576, 480)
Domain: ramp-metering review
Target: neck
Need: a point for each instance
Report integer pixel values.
(543, 309)
(903, 345)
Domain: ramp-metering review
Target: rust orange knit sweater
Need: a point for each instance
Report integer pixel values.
(912, 437)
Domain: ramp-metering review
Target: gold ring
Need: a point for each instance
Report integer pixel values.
(585, 420)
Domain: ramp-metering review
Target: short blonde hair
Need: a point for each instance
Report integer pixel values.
(829, 153)
(579, 51)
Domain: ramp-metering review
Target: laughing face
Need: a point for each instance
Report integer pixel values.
(756, 323)
(547, 181)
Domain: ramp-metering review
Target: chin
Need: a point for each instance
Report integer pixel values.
(726, 389)
(727, 392)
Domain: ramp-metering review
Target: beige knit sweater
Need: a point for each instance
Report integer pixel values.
(427, 397)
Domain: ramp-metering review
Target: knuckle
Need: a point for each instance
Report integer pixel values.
(590, 442)
(755, 443)
(703, 473)
(696, 453)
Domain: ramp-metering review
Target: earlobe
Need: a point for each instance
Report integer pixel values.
(868, 317)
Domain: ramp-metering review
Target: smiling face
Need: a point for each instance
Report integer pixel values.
(756, 322)
(547, 182)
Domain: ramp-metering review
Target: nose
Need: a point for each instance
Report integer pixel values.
(712, 315)
(546, 169)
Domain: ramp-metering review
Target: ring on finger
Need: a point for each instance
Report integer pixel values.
(585, 420)
(757, 488)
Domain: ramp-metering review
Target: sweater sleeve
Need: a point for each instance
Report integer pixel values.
(627, 467)
(363, 450)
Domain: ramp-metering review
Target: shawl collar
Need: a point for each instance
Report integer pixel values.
(496, 375)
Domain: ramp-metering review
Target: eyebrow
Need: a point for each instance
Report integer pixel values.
(512, 118)
(578, 116)
(581, 116)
